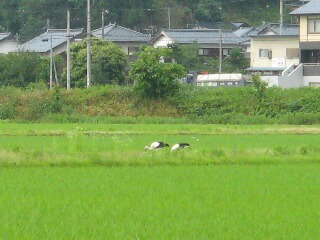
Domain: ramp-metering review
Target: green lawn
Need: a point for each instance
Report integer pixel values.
(164, 202)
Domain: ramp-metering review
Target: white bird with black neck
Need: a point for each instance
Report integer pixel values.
(178, 146)
(156, 145)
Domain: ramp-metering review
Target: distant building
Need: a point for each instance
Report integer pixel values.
(129, 40)
(8, 43)
(217, 80)
(270, 49)
(244, 33)
(55, 39)
(238, 25)
(290, 59)
(208, 40)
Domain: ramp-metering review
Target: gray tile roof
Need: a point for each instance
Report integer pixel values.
(116, 33)
(312, 7)
(4, 36)
(239, 24)
(42, 43)
(202, 36)
(243, 31)
(274, 29)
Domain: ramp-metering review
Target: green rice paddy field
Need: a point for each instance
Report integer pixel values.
(96, 182)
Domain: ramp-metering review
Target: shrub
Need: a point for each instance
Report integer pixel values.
(7, 111)
(108, 64)
(155, 79)
(20, 69)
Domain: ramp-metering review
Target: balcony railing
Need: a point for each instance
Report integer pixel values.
(311, 69)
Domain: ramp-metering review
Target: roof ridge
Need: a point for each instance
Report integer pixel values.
(129, 29)
(191, 30)
(63, 30)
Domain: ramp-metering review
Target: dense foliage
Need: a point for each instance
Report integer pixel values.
(154, 73)
(20, 69)
(108, 63)
(28, 17)
(239, 105)
(24, 68)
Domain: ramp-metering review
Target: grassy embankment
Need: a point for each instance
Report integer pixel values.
(111, 104)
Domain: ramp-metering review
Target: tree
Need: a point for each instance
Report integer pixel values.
(186, 55)
(29, 17)
(20, 69)
(237, 60)
(260, 87)
(108, 63)
(209, 10)
(153, 77)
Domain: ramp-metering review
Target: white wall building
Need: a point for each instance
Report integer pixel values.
(269, 48)
(8, 43)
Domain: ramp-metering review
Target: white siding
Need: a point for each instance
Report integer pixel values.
(277, 45)
(7, 46)
(162, 41)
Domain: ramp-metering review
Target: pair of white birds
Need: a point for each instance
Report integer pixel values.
(158, 145)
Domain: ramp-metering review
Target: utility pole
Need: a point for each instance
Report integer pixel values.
(102, 24)
(281, 16)
(169, 17)
(88, 44)
(48, 23)
(68, 51)
(51, 62)
(220, 51)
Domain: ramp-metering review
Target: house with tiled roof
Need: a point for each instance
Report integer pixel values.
(309, 18)
(273, 50)
(295, 60)
(8, 43)
(270, 48)
(238, 25)
(55, 39)
(244, 32)
(307, 73)
(129, 40)
(208, 40)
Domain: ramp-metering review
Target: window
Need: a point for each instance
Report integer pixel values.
(225, 52)
(265, 53)
(132, 50)
(205, 52)
(313, 25)
(292, 53)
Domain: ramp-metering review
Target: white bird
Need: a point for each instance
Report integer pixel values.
(156, 145)
(179, 146)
